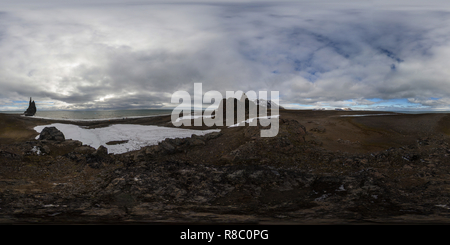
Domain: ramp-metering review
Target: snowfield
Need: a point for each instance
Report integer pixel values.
(137, 135)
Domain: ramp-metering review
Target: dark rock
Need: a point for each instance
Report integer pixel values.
(116, 142)
(101, 152)
(84, 150)
(152, 149)
(212, 135)
(179, 141)
(31, 110)
(95, 164)
(45, 149)
(148, 152)
(292, 129)
(98, 157)
(195, 142)
(166, 146)
(51, 133)
(5, 154)
(254, 131)
(318, 129)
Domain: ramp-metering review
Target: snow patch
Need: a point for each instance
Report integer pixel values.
(191, 117)
(137, 135)
(36, 150)
(341, 188)
(321, 198)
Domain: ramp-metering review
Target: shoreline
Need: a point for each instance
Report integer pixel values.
(95, 119)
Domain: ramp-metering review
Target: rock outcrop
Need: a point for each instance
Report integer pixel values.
(171, 146)
(51, 133)
(245, 104)
(31, 109)
(49, 181)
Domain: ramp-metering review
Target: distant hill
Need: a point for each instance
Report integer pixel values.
(266, 103)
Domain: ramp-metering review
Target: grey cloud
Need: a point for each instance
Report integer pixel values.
(129, 55)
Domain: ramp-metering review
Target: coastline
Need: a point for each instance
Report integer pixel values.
(97, 119)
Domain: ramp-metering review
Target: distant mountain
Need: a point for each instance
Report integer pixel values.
(266, 103)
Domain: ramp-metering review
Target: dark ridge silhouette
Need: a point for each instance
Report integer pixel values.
(31, 109)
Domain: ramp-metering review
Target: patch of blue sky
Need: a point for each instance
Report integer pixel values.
(301, 64)
(391, 55)
(395, 103)
(311, 76)
(350, 101)
(392, 104)
(389, 101)
(13, 105)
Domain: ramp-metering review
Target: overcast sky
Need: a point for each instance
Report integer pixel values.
(135, 54)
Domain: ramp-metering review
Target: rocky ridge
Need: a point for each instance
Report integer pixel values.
(71, 182)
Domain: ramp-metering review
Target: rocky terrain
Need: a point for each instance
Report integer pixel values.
(319, 169)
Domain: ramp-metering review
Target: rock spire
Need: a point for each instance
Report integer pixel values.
(31, 109)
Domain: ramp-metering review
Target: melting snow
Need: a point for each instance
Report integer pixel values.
(191, 117)
(36, 150)
(137, 135)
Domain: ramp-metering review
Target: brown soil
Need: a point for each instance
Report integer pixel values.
(349, 169)
(362, 134)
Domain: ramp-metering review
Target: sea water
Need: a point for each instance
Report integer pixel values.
(120, 114)
(420, 112)
(97, 114)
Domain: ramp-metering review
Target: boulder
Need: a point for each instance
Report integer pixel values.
(99, 157)
(51, 133)
(84, 149)
(45, 149)
(101, 152)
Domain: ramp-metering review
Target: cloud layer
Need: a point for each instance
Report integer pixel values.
(135, 55)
